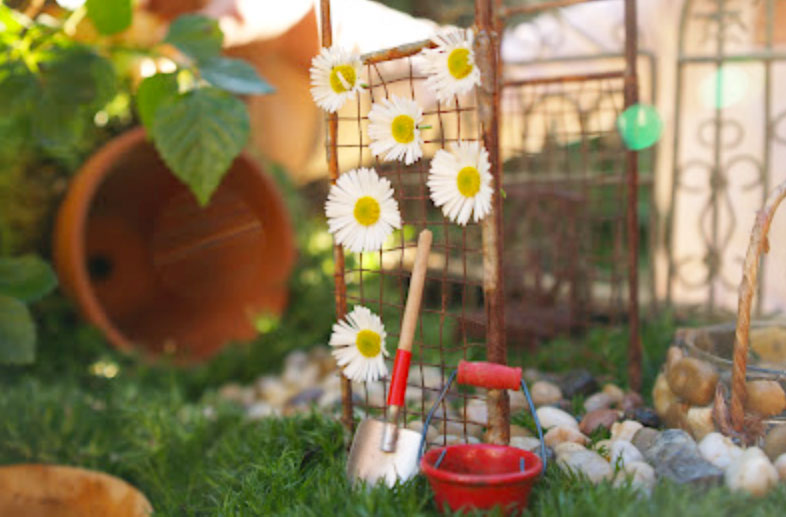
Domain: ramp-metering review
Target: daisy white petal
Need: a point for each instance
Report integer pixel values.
(450, 67)
(358, 343)
(335, 77)
(459, 181)
(393, 127)
(361, 210)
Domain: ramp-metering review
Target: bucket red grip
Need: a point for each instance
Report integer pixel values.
(489, 375)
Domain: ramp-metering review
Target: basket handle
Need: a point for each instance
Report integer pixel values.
(758, 244)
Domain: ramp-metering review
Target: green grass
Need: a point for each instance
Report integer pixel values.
(150, 426)
(164, 429)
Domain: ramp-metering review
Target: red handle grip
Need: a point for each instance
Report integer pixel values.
(489, 375)
(398, 379)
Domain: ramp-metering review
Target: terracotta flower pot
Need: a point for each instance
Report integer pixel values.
(57, 491)
(156, 272)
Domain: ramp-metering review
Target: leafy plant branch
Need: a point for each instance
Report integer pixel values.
(52, 86)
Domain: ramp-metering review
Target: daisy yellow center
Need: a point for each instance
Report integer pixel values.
(369, 343)
(459, 63)
(348, 76)
(367, 210)
(468, 181)
(403, 129)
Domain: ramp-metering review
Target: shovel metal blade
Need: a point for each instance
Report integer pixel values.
(368, 462)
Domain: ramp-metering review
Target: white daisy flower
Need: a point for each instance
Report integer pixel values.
(335, 77)
(359, 345)
(460, 182)
(393, 126)
(361, 210)
(451, 67)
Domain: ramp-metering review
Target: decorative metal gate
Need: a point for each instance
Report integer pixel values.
(729, 137)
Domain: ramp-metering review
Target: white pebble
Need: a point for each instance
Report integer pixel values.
(553, 417)
(625, 430)
(719, 450)
(561, 434)
(603, 447)
(700, 422)
(518, 402)
(528, 443)
(614, 392)
(545, 393)
(780, 466)
(586, 462)
(598, 401)
(259, 410)
(751, 472)
(567, 448)
(477, 411)
(623, 453)
(640, 474)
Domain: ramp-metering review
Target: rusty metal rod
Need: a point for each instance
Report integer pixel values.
(487, 56)
(543, 6)
(566, 78)
(406, 50)
(632, 168)
(338, 252)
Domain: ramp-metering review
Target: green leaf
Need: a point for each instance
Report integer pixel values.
(18, 88)
(110, 16)
(154, 92)
(58, 128)
(17, 332)
(196, 36)
(77, 75)
(27, 278)
(234, 75)
(199, 136)
(9, 21)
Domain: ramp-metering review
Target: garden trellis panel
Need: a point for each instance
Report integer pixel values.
(463, 314)
(461, 278)
(566, 258)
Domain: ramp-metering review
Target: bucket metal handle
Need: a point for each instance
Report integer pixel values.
(485, 375)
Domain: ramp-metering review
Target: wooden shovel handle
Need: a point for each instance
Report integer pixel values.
(398, 382)
(415, 293)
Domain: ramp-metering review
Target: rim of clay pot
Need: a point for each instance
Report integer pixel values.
(70, 247)
(71, 234)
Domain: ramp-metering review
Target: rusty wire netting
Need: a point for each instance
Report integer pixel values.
(566, 244)
(553, 220)
(379, 280)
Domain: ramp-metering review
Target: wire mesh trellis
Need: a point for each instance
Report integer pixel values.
(379, 280)
(565, 180)
(455, 282)
(463, 314)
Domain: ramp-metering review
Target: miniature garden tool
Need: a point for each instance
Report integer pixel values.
(481, 476)
(380, 450)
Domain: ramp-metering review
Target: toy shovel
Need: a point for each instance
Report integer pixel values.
(381, 450)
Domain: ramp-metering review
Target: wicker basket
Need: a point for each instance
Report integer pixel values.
(739, 367)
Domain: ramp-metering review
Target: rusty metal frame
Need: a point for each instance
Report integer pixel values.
(631, 93)
(338, 252)
(543, 6)
(487, 45)
(488, 27)
(632, 159)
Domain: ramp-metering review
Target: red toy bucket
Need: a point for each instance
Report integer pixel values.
(480, 476)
